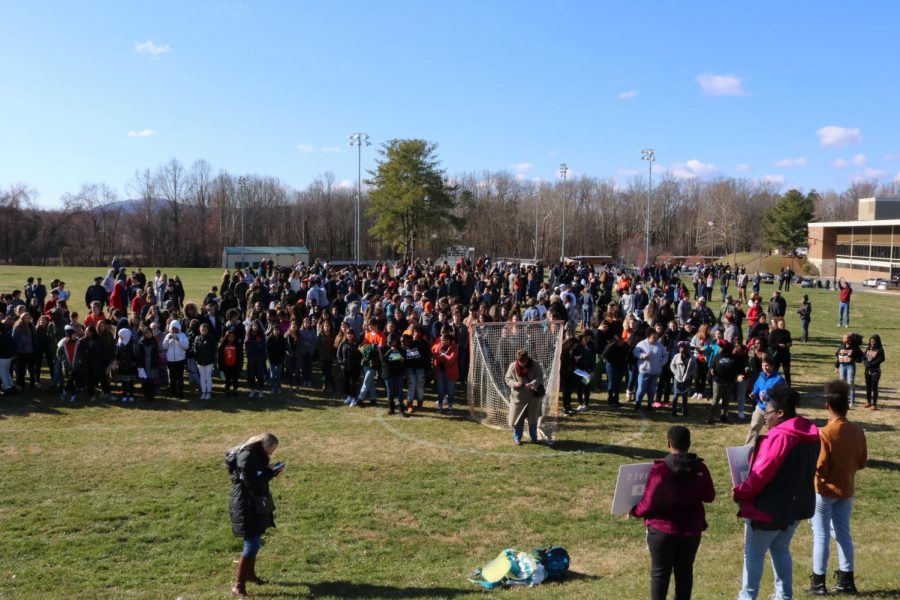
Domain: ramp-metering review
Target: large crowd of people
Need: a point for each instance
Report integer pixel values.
(649, 333)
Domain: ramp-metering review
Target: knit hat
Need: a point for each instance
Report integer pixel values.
(124, 336)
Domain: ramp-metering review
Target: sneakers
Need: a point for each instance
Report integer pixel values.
(741, 415)
(348, 399)
(353, 402)
(581, 408)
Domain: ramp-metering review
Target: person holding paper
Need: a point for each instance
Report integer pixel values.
(844, 452)
(672, 509)
(778, 492)
(766, 380)
(525, 378)
(251, 506)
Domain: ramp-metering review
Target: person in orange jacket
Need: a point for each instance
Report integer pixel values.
(445, 355)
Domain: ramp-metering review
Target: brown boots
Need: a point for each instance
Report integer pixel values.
(246, 571)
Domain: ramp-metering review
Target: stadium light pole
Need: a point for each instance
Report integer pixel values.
(648, 154)
(359, 140)
(537, 197)
(242, 183)
(563, 172)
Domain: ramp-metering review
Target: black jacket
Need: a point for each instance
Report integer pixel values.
(205, 349)
(276, 347)
(250, 479)
(96, 292)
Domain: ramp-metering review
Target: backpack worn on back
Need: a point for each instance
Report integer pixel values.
(231, 459)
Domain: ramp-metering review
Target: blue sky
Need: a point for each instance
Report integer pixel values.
(803, 93)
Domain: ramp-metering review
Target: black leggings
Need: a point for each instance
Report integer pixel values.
(783, 363)
(670, 553)
(176, 378)
(27, 362)
(872, 379)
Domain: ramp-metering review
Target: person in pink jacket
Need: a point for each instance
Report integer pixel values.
(778, 492)
(672, 509)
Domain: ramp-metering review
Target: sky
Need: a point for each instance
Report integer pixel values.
(803, 94)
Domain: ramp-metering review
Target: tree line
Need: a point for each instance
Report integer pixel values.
(176, 215)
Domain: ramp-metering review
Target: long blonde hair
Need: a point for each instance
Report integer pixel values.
(267, 440)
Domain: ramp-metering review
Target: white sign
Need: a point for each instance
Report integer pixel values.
(630, 486)
(739, 462)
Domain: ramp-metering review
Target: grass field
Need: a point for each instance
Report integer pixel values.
(111, 501)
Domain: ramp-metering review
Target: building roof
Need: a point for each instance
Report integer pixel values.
(266, 249)
(876, 223)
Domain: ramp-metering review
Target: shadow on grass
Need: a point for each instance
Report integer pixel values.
(883, 465)
(895, 593)
(625, 451)
(348, 589)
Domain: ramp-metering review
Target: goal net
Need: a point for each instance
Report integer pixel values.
(493, 348)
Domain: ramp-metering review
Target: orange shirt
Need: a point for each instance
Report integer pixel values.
(373, 336)
(93, 319)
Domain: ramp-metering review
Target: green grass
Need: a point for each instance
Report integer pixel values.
(131, 502)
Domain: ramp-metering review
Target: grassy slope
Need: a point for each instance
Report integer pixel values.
(132, 502)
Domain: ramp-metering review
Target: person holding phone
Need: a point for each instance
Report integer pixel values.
(251, 505)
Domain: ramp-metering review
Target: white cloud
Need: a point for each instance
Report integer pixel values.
(627, 173)
(791, 162)
(331, 149)
(779, 179)
(720, 85)
(743, 168)
(151, 48)
(628, 94)
(897, 177)
(305, 148)
(521, 168)
(892, 157)
(346, 184)
(142, 133)
(832, 135)
(693, 169)
(874, 173)
(857, 160)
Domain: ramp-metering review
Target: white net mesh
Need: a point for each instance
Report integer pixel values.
(493, 348)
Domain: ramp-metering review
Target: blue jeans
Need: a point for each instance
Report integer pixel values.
(832, 517)
(646, 384)
(446, 389)
(843, 308)
(778, 544)
(519, 428)
(394, 387)
(631, 385)
(415, 382)
(6, 373)
(251, 546)
(275, 377)
(585, 318)
(848, 374)
(369, 387)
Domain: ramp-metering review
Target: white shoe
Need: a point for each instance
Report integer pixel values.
(352, 402)
(581, 408)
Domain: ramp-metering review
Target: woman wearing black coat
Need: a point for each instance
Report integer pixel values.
(872, 360)
(251, 505)
(148, 362)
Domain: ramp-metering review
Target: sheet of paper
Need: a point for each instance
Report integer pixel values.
(630, 486)
(739, 462)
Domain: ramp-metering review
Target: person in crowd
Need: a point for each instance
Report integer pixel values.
(91, 366)
(231, 360)
(805, 312)
(67, 354)
(23, 335)
(148, 359)
(418, 360)
(568, 379)
(652, 358)
(349, 359)
(872, 361)
(777, 493)
(176, 344)
(673, 513)
(847, 356)
(126, 364)
(251, 506)
(276, 350)
(307, 350)
(702, 347)
(845, 292)
(843, 453)
(684, 368)
(525, 379)
(325, 351)
(96, 293)
(393, 366)
(445, 355)
(45, 349)
(255, 350)
(780, 343)
(204, 350)
(766, 380)
(585, 360)
(726, 370)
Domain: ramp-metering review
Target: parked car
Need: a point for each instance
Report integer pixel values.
(806, 282)
(870, 282)
(767, 277)
(882, 284)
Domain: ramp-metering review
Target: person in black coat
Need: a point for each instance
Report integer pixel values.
(205, 353)
(148, 362)
(96, 292)
(251, 506)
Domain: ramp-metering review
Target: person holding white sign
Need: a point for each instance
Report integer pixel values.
(777, 493)
(672, 509)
